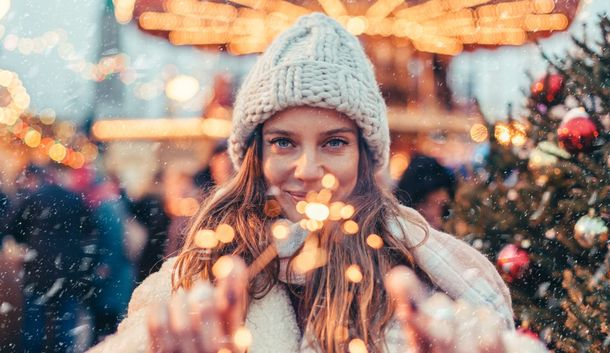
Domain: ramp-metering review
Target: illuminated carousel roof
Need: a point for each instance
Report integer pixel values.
(436, 26)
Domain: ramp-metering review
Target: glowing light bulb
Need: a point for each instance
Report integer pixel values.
(335, 210)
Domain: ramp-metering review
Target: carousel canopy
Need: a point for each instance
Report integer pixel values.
(436, 26)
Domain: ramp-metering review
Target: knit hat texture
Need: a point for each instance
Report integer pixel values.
(314, 63)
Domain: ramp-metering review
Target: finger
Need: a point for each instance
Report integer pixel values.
(158, 330)
(231, 294)
(490, 326)
(435, 322)
(180, 324)
(407, 291)
(204, 318)
(288, 207)
(465, 333)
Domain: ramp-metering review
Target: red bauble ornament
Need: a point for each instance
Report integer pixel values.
(549, 89)
(512, 262)
(577, 132)
(527, 332)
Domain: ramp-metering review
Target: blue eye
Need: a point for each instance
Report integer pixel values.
(336, 142)
(281, 142)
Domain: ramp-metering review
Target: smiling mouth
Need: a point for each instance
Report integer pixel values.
(297, 196)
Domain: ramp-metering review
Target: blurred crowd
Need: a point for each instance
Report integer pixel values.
(75, 244)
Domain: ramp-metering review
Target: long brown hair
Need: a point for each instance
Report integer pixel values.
(331, 303)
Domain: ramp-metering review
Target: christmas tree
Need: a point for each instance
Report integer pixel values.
(540, 208)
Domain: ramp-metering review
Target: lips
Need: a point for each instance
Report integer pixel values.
(297, 196)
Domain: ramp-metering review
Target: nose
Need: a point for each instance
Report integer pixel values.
(308, 167)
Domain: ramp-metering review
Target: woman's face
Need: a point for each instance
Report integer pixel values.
(300, 146)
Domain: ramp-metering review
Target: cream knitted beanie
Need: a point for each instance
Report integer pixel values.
(314, 63)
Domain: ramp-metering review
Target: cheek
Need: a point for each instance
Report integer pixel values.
(273, 171)
(346, 171)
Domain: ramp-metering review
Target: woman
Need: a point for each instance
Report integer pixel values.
(311, 107)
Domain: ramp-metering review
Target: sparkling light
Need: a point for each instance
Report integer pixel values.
(242, 338)
(335, 210)
(223, 267)
(206, 239)
(357, 346)
(350, 227)
(57, 152)
(317, 211)
(478, 133)
(280, 230)
(32, 138)
(329, 181)
(225, 233)
(182, 88)
(347, 211)
(398, 164)
(374, 241)
(502, 133)
(353, 274)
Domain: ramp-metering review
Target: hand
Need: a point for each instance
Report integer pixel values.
(435, 323)
(289, 208)
(204, 319)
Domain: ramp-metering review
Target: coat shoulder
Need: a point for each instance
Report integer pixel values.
(132, 333)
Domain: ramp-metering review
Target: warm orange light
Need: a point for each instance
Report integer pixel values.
(374, 241)
(347, 211)
(182, 88)
(329, 181)
(353, 274)
(280, 230)
(32, 138)
(356, 25)
(398, 164)
(206, 239)
(317, 211)
(350, 227)
(502, 133)
(160, 129)
(223, 267)
(57, 152)
(242, 338)
(225, 233)
(357, 346)
(479, 133)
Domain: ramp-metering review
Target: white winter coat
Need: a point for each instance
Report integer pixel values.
(453, 266)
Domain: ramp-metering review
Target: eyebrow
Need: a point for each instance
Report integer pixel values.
(325, 133)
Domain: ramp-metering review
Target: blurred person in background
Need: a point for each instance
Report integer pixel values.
(51, 223)
(149, 211)
(113, 274)
(428, 187)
